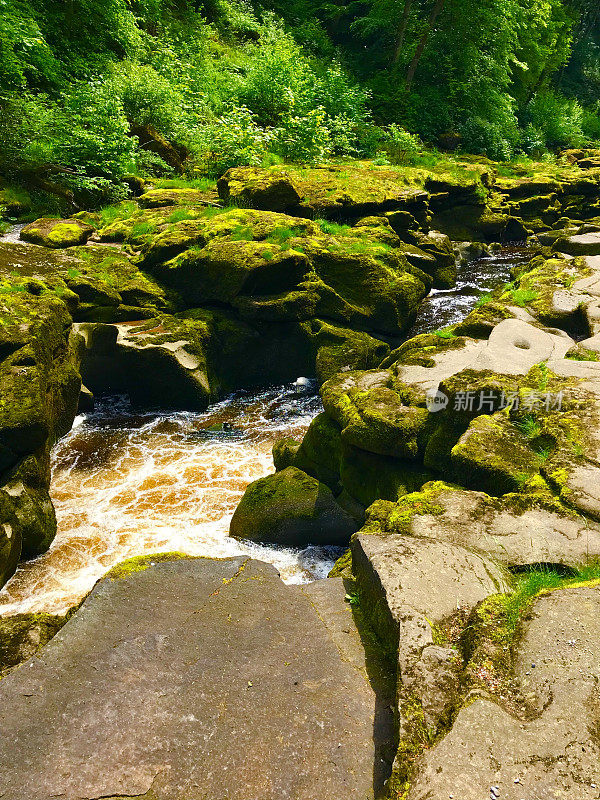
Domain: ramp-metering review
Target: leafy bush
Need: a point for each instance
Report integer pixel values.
(303, 138)
(590, 124)
(559, 119)
(480, 136)
(532, 140)
(400, 146)
(148, 98)
(232, 140)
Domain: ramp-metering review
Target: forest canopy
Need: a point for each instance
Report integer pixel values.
(94, 91)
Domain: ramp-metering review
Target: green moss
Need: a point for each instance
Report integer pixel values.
(397, 517)
(343, 566)
(141, 563)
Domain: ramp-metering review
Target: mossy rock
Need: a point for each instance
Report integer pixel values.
(346, 192)
(56, 233)
(318, 455)
(291, 508)
(158, 198)
(259, 188)
(493, 456)
(336, 349)
(368, 477)
(22, 635)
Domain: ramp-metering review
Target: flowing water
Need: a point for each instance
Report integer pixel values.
(126, 484)
(477, 277)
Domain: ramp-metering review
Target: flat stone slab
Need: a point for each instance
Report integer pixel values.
(554, 756)
(515, 538)
(194, 679)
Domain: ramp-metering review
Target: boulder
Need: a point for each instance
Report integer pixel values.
(291, 508)
(586, 244)
(421, 581)
(39, 388)
(333, 192)
(196, 678)
(258, 188)
(159, 198)
(56, 233)
(22, 635)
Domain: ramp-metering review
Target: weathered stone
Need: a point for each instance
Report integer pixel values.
(158, 198)
(586, 244)
(397, 573)
(515, 530)
(56, 233)
(293, 509)
(153, 686)
(549, 756)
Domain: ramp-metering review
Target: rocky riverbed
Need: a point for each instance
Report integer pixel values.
(454, 462)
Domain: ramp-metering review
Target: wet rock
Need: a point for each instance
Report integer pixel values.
(56, 233)
(291, 508)
(39, 387)
(170, 668)
(22, 635)
(551, 755)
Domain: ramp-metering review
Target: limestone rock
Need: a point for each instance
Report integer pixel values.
(514, 530)
(56, 233)
(291, 508)
(189, 679)
(549, 756)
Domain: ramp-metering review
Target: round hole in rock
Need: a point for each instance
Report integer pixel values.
(523, 344)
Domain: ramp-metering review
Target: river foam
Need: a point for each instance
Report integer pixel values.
(126, 484)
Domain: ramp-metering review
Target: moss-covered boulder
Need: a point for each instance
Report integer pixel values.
(291, 508)
(494, 456)
(336, 349)
(259, 188)
(39, 389)
(158, 198)
(333, 192)
(56, 233)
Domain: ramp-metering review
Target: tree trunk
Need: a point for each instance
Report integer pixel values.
(439, 5)
(401, 32)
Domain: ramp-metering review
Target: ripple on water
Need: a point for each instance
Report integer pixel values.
(126, 484)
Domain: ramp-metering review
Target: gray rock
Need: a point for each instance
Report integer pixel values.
(188, 680)
(553, 756)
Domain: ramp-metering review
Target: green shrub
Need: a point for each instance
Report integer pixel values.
(232, 140)
(400, 146)
(480, 136)
(305, 138)
(559, 119)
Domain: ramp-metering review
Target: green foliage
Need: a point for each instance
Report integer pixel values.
(234, 139)
(558, 120)
(305, 139)
(400, 146)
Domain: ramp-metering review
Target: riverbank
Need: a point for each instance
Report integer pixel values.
(451, 459)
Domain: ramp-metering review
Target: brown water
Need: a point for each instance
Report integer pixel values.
(125, 484)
